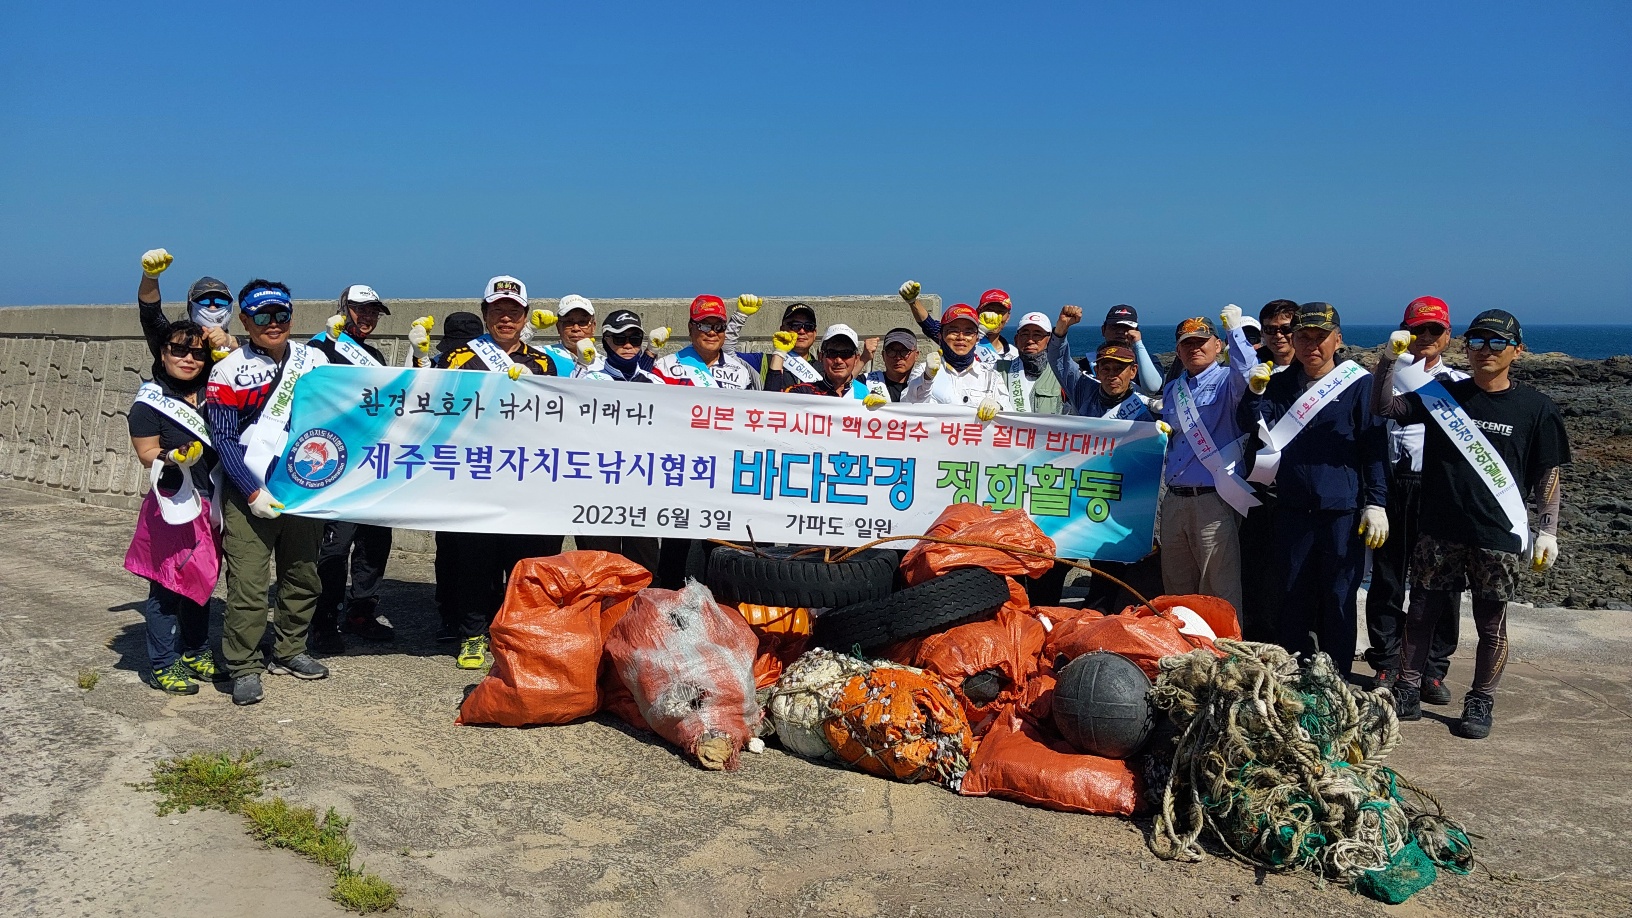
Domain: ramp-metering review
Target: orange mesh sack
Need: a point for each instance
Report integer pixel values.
(690, 666)
(902, 723)
(975, 523)
(547, 638)
(1014, 763)
(1009, 642)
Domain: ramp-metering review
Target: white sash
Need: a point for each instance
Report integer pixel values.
(1471, 442)
(1322, 393)
(265, 439)
(494, 356)
(353, 352)
(186, 504)
(175, 409)
(1220, 462)
(800, 368)
(986, 352)
(1127, 409)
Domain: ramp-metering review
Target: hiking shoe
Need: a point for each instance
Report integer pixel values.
(202, 665)
(447, 634)
(1435, 692)
(1385, 679)
(1407, 702)
(301, 666)
(473, 652)
(369, 628)
(246, 689)
(326, 642)
(1476, 717)
(175, 679)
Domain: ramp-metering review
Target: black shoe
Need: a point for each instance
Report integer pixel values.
(1435, 692)
(1476, 717)
(448, 634)
(1385, 679)
(301, 666)
(246, 689)
(369, 628)
(326, 642)
(1407, 702)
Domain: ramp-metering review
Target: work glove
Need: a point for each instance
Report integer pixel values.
(514, 372)
(154, 261)
(1374, 526)
(221, 343)
(988, 408)
(1399, 342)
(1165, 428)
(910, 290)
(1258, 378)
(262, 505)
(992, 321)
(748, 304)
(419, 334)
(541, 319)
(1231, 317)
(586, 352)
(784, 341)
(1544, 552)
(932, 364)
(660, 336)
(186, 455)
(874, 400)
(336, 325)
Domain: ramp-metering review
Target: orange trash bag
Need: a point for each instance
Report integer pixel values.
(547, 638)
(1219, 615)
(690, 666)
(901, 723)
(783, 633)
(1014, 763)
(1008, 642)
(926, 560)
(1137, 634)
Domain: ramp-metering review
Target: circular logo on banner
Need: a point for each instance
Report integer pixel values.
(316, 459)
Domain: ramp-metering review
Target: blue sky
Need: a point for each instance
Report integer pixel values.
(1173, 156)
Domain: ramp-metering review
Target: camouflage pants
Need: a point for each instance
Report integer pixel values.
(1440, 564)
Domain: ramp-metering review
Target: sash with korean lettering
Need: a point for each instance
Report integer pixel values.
(348, 348)
(175, 409)
(1015, 371)
(800, 368)
(1316, 397)
(1471, 442)
(494, 356)
(265, 439)
(1220, 462)
(1128, 409)
(186, 504)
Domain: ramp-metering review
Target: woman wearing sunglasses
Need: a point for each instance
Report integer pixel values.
(623, 340)
(174, 547)
(209, 305)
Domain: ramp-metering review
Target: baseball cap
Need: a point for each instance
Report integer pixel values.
(841, 330)
(707, 305)
(264, 298)
(573, 301)
(959, 311)
(458, 328)
(1194, 327)
(1499, 321)
(207, 286)
(1037, 320)
(995, 297)
(621, 320)
(1426, 309)
(799, 307)
(903, 337)
(505, 287)
(1122, 315)
(1110, 350)
(1318, 315)
(358, 294)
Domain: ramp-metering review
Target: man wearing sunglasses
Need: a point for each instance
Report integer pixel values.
(1428, 321)
(1491, 445)
(838, 359)
(249, 402)
(705, 362)
(1121, 326)
(790, 360)
(209, 304)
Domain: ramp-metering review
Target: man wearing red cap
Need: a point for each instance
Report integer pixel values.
(954, 375)
(704, 362)
(991, 314)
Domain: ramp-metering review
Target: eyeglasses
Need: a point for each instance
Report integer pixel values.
(263, 319)
(799, 325)
(1496, 345)
(1280, 331)
(214, 302)
(623, 340)
(709, 328)
(179, 350)
(570, 319)
(896, 351)
(837, 355)
(1430, 330)
(959, 331)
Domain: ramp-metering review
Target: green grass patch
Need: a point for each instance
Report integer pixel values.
(298, 829)
(364, 892)
(209, 781)
(88, 678)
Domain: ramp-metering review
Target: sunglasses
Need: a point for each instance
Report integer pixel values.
(799, 325)
(1279, 331)
(1430, 330)
(178, 350)
(837, 355)
(1496, 345)
(263, 319)
(623, 339)
(709, 328)
(1252, 334)
(214, 302)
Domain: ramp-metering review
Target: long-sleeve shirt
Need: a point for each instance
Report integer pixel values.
(1083, 393)
(155, 325)
(1405, 441)
(1339, 460)
(240, 386)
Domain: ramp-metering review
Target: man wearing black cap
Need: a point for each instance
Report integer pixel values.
(209, 303)
(1109, 392)
(794, 340)
(622, 340)
(1326, 453)
(1490, 441)
(1121, 326)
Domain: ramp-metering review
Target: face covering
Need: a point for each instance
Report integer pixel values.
(1034, 363)
(954, 361)
(209, 316)
(622, 367)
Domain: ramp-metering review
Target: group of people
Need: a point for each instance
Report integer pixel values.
(1286, 469)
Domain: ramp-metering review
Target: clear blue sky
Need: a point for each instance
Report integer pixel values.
(1173, 156)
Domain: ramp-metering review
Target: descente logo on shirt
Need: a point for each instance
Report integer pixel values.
(1505, 430)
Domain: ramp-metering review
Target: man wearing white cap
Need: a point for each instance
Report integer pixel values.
(574, 321)
(1030, 381)
(837, 360)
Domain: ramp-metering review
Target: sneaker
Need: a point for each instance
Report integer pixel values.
(1435, 692)
(1407, 702)
(1476, 717)
(326, 642)
(175, 679)
(369, 628)
(202, 665)
(473, 652)
(301, 666)
(447, 634)
(1385, 679)
(246, 689)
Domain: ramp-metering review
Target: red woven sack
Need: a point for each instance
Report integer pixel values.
(1013, 762)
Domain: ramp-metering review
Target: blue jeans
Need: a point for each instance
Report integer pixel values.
(175, 625)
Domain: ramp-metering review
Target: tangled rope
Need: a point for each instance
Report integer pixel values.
(1284, 764)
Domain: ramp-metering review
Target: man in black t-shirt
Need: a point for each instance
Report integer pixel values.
(1466, 531)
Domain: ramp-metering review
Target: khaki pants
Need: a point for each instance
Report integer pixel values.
(1201, 547)
(250, 544)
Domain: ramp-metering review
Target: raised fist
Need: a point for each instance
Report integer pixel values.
(586, 352)
(932, 364)
(335, 325)
(1400, 341)
(784, 341)
(541, 319)
(419, 333)
(1258, 378)
(748, 304)
(154, 261)
(910, 290)
(992, 321)
(1231, 317)
(1069, 316)
(660, 336)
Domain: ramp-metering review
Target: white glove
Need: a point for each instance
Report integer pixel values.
(335, 325)
(1374, 526)
(748, 304)
(514, 372)
(1399, 342)
(154, 261)
(262, 505)
(874, 400)
(186, 455)
(932, 364)
(1258, 378)
(660, 336)
(586, 352)
(988, 408)
(910, 290)
(1544, 552)
(541, 319)
(1231, 317)
(419, 333)
(784, 341)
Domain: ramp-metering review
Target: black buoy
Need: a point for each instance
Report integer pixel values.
(1101, 705)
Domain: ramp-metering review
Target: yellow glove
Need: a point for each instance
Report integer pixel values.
(186, 455)
(419, 334)
(874, 400)
(154, 261)
(1544, 552)
(988, 409)
(220, 342)
(541, 319)
(932, 364)
(992, 321)
(748, 304)
(220, 353)
(660, 336)
(1400, 342)
(335, 325)
(1374, 526)
(1258, 378)
(586, 352)
(784, 341)
(514, 372)
(1231, 317)
(1165, 428)
(910, 290)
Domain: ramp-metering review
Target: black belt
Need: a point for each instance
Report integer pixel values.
(1183, 491)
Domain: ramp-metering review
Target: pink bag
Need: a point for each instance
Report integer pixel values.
(184, 559)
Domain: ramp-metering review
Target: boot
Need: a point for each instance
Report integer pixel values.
(1407, 702)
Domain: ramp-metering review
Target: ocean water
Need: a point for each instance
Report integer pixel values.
(1589, 342)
